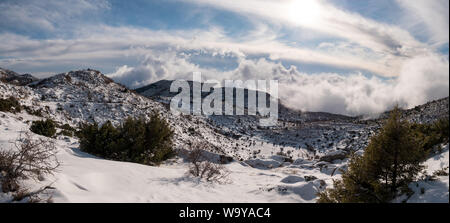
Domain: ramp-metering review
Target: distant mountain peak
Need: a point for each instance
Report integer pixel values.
(12, 77)
(81, 77)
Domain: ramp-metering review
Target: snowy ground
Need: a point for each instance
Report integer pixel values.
(85, 178)
(433, 191)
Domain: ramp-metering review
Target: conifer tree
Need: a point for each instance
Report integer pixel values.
(394, 155)
(391, 161)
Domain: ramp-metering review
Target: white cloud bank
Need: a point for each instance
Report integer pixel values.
(422, 79)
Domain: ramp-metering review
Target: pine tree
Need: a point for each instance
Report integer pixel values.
(391, 161)
(355, 186)
(394, 155)
(159, 138)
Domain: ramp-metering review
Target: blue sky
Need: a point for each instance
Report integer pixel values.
(380, 48)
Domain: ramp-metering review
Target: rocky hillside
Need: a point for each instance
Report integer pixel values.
(12, 77)
(89, 96)
(426, 113)
(160, 91)
(287, 162)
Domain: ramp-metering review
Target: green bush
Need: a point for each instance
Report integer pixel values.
(67, 127)
(430, 135)
(67, 130)
(442, 127)
(33, 112)
(390, 162)
(135, 140)
(45, 128)
(66, 133)
(10, 104)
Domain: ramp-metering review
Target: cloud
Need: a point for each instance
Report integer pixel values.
(422, 79)
(167, 65)
(101, 42)
(356, 94)
(328, 20)
(352, 41)
(30, 16)
(431, 16)
(43, 37)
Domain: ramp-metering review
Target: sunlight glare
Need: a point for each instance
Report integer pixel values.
(305, 12)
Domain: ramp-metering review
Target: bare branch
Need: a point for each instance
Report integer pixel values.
(31, 158)
(204, 169)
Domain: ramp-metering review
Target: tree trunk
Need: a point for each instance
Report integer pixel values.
(394, 174)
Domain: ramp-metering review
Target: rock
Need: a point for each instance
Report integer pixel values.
(299, 161)
(322, 183)
(288, 160)
(292, 179)
(321, 164)
(336, 155)
(282, 159)
(310, 178)
(225, 159)
(263, 164)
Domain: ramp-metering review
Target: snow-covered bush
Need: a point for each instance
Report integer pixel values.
(30, 111)
(67, 130)
(135, 140)
(31, 158)
(202, 168)
(46, 128)
(10, 104)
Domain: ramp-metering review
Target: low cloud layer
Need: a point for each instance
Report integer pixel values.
(421, 79)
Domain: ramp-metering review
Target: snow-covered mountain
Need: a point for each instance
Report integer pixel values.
(289, 162)
(160, 91)
(12, 77)
(425, 113)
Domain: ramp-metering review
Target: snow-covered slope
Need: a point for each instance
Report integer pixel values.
(85, 178)
(160, 91)
(289, 162)
(426, 113)
(432, 189)
(88, 96)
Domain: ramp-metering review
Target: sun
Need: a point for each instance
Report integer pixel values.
(305, 12)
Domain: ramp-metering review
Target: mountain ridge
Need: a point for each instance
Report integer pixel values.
(12, 77)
